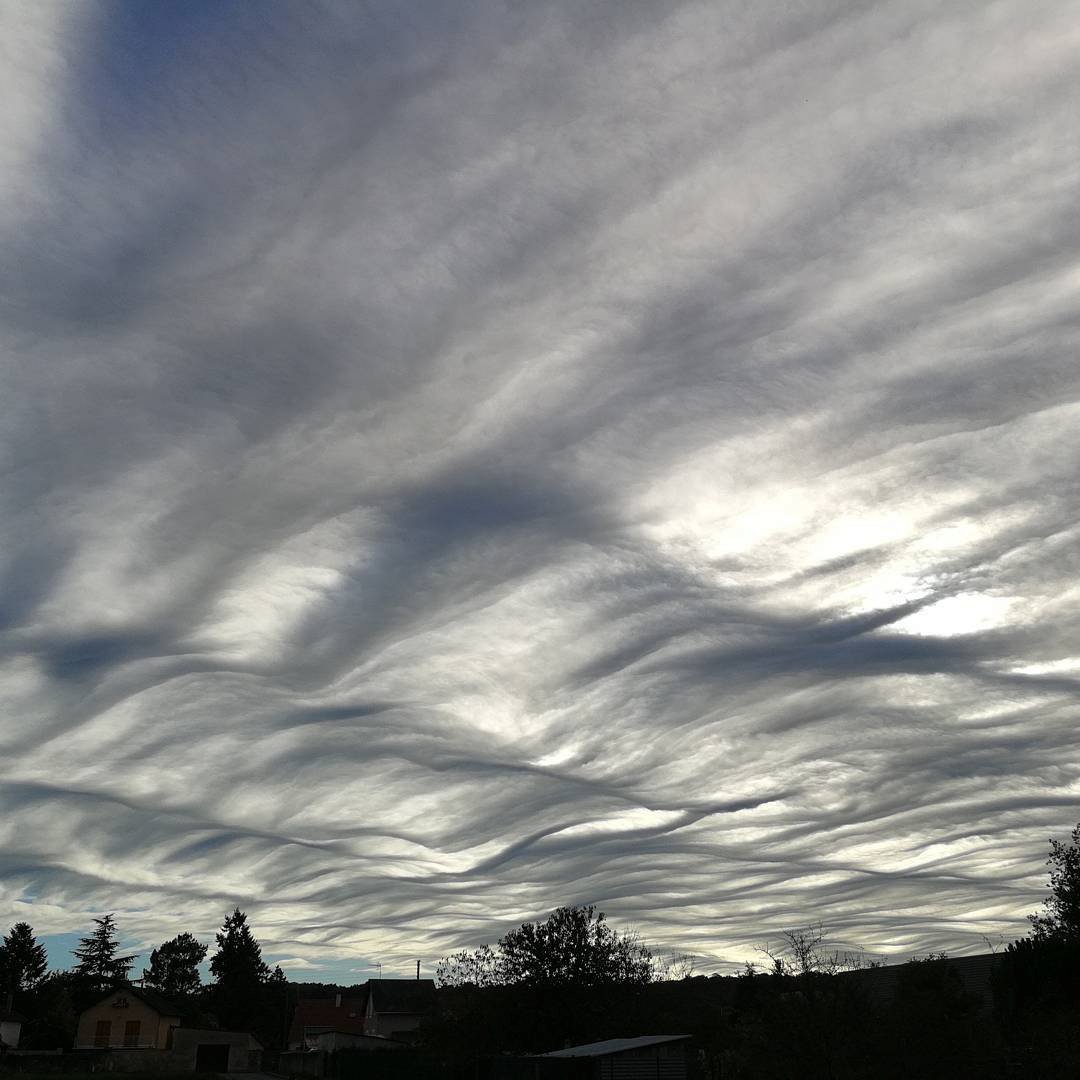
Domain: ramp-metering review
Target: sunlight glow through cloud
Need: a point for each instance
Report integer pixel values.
(967, 613)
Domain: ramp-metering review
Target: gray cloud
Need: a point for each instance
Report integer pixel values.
(462, 460)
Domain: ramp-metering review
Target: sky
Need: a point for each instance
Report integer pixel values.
(463, 459)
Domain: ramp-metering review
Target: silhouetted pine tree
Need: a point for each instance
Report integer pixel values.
(23, 961)
(239, 974)
(99, 967)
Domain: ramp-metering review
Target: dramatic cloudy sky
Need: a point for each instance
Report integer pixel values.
(459, 459)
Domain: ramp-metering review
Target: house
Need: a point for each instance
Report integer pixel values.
(314, 1061)
(659, 1056)
(396, 1007)
(128, 1018)
(11, 1024)
(337, 1014)
(210, 1050)
(387, 1009)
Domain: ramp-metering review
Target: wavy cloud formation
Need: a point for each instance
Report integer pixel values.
(462, 459)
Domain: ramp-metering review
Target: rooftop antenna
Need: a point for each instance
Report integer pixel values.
(379, 966)
(417, 970)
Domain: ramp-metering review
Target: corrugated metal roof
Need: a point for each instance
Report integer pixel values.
(615, 1046)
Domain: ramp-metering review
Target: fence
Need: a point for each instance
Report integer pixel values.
(89, 1061)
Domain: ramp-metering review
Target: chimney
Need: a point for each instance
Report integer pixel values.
(417, 970)
(337, 1001)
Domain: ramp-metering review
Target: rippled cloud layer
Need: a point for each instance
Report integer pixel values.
(462, 459)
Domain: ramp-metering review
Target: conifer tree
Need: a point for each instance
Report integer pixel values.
(99, 965)
(23, 960)
(239, 973)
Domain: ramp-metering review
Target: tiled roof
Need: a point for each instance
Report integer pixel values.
(158, 1002)
(322, 1014)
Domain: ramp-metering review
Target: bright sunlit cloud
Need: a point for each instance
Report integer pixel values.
(967, 613)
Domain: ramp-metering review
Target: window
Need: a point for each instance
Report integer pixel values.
(101, 1033)
(131, 1032)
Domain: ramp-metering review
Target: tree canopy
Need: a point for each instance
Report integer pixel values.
(23, 960)
(1060, 921)
(480, 967)
(573, 946)
(99, 965)
(174, 966)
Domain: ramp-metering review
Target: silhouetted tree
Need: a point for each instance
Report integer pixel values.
(1037, 985)
(239, 973)
(274, 1024)
(570, 978)
(99, 966)
(1061, 919)
(174, 966)
(674, 966)
(481, 967)
(805, 953)
(52, 1008)
(23, 961)
(238, 960)
(573, 946)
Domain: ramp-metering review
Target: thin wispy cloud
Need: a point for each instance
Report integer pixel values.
(463, 460)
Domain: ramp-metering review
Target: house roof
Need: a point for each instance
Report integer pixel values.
(158, 1002)
(615, 1046)
(323, 1015)
(366, 1035)
(402, 995)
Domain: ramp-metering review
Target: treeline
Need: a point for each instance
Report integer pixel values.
(244, 994)
(805, 1013)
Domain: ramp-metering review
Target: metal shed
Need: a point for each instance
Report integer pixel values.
(647, 1057)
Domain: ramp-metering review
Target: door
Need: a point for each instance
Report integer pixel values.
(212, 1057)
